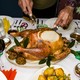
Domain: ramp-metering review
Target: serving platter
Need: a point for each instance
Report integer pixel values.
(29, 63)
(13, 55)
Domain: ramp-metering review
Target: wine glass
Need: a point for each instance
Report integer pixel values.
(3, 32)
(2, 47)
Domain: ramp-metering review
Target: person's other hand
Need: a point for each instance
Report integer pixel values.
(26, 6)
(65, 17)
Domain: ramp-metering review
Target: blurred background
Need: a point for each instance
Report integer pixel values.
(11, 8)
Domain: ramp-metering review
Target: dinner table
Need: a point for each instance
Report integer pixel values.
(25, 73)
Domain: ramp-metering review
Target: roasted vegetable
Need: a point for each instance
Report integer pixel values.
(41, 77)
(59, 72)
(21, 60)
(12, 55)
(52, 78)
(49, 71)
(52, 73)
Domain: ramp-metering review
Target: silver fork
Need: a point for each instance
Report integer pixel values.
(33, 18)
(77, 25)
(37, 23)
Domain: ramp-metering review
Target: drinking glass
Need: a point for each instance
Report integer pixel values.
(2, 31)
(3, 34)
(2, 47)
(2, 43)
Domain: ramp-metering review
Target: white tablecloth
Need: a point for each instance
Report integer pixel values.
(25, 73)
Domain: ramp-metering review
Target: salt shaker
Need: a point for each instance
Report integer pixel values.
(2, 31)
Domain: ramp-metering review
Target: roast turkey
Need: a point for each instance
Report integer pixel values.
(42, 42)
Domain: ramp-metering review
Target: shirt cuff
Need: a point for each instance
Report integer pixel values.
(71, 3)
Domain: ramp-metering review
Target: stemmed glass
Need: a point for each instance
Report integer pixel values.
(3, 34)
(2, 47)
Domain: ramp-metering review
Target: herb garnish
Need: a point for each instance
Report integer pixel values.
(71, 44)
(47, 60)
(17, 42)
(25, 43)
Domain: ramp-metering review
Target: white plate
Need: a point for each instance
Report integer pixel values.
(36, 75)
(11, 20)
(2, 76)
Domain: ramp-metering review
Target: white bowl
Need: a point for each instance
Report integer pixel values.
(36, 75)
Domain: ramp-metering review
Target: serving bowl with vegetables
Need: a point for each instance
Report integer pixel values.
(54, 72)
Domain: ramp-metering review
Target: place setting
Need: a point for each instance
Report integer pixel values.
(40, 40)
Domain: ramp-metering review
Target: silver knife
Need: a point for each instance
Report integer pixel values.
(55, 28)
(32, 17)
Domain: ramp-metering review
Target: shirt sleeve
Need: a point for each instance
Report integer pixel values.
(73, 3)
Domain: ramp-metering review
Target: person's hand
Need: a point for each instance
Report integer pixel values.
(65, 17)
(26, 6)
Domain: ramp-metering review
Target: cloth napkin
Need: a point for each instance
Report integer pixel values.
(10, 74)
